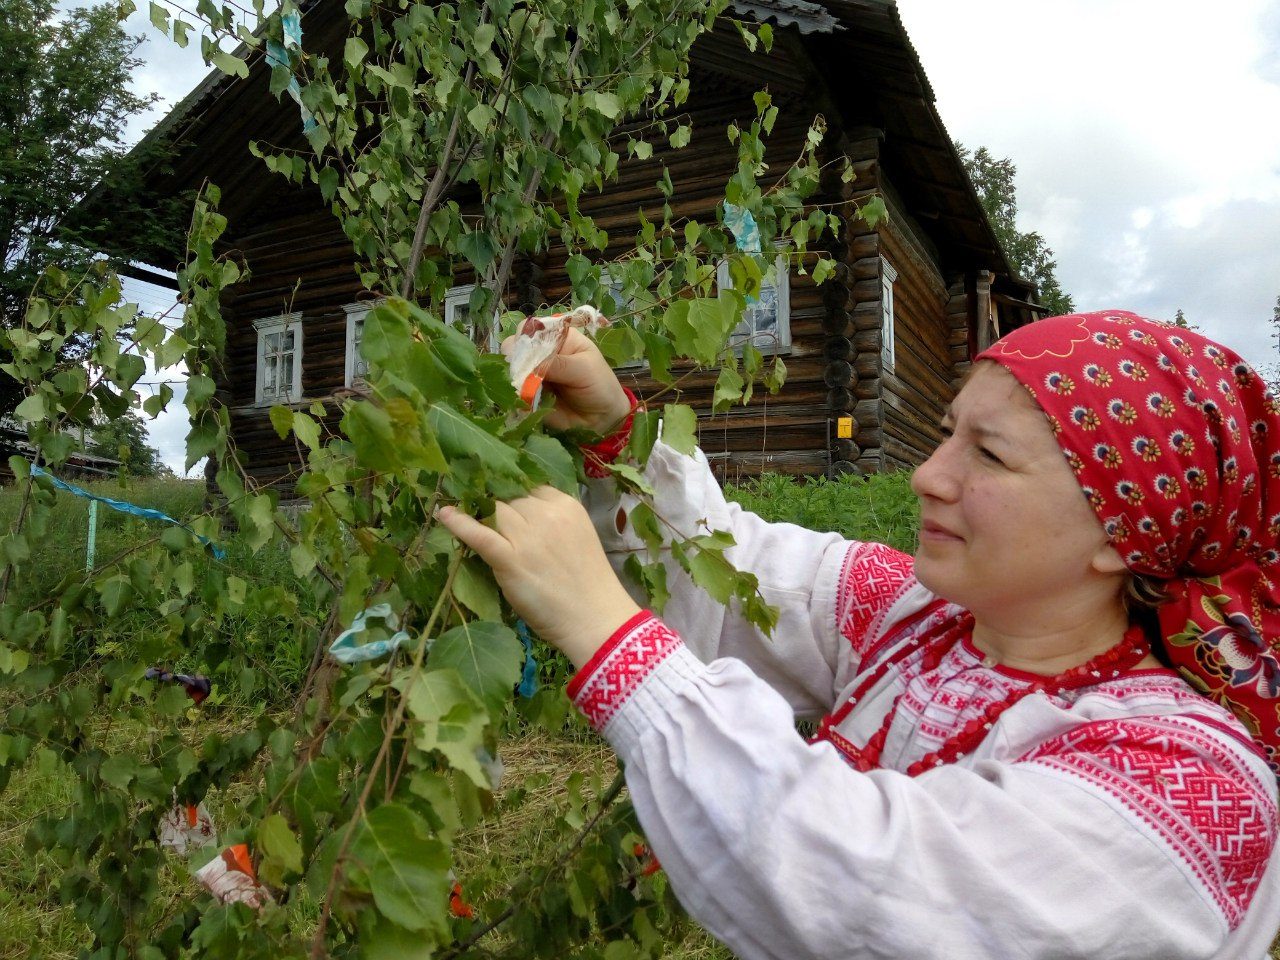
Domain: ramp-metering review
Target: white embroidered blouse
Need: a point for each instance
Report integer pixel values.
(1130, 819)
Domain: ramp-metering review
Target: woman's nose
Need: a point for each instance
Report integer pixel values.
(935, 477)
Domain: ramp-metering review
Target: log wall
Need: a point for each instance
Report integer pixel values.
(915, 393)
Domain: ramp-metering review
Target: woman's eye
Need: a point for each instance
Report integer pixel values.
(987, 454)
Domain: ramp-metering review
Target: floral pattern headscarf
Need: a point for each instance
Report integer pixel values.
(1175, 442)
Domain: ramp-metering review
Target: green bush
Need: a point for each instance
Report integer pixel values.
(880, 508)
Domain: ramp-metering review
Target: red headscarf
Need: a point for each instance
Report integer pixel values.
(1175, 442)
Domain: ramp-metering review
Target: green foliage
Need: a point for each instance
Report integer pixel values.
(1028, 253)
(1272, 371)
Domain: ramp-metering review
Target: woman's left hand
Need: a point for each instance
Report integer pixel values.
(549, 564)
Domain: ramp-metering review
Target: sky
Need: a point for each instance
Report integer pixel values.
(1146, 137)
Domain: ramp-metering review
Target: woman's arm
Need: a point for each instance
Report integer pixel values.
(800, 572)
(781, 850)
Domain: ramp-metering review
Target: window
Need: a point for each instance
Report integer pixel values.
(279, 359)
(613, 304)
(357, 366)
(888, 275)
(766, 322)
(457, 311)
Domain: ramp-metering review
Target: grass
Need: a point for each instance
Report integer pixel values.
(879, 508)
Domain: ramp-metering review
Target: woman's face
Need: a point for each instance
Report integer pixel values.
(1002, 520)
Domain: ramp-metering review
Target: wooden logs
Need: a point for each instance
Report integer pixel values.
(838, 322)
(868, 268)
(867, 414)
(867, 341)
(865, 245)
(840, 467)
(841, 400)
(839, 373)
(868, 316)
(838, 348)
(864, 290)
(869, 439)
(846, 450)
(868, 389)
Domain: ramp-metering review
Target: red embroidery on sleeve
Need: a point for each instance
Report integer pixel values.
(1197, 796)
(618, 668)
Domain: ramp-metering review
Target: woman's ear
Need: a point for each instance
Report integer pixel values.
(1108, 561)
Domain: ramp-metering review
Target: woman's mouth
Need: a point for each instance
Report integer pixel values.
(937, 533)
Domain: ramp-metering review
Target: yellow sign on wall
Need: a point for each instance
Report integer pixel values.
(844, 428)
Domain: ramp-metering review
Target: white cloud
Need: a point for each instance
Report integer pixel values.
(1144, 135)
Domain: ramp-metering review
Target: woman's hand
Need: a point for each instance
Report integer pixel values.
(587, 390)
(548, 561)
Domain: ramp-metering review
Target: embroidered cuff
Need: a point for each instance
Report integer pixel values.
(616, 670)
(607, 450)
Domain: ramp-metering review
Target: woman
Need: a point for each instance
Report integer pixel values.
(1004, 766)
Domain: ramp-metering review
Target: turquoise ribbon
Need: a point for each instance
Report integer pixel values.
(145, 512)
(291, 23)
(346, 650)
(278, 56)
(529, 675)
(746, 234)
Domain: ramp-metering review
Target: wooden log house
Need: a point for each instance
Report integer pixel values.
(882, 342)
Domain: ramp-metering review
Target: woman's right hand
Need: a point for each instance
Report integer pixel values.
(587, 390)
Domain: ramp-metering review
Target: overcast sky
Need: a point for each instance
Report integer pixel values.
(1146, 136)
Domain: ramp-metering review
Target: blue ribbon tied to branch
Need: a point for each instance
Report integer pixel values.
(130, 508)
(279, 55)
(347, 650)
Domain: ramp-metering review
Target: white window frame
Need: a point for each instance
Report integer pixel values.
(278, 324)
(782, 285)
(356, 313)
(460, 296)
(888, 277)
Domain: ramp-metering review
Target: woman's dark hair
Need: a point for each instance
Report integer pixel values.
(1142, 595)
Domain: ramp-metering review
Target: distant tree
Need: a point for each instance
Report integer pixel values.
(1180, 320)
(125, 439)
(1028, 253)
(1272, 372)
(64, 101)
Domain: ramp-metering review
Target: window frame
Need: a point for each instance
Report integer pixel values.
(356, 313)
(281, 323)
(888, 337)
(461, 296)
(782, 285)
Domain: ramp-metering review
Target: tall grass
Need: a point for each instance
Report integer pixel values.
(879, 508)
